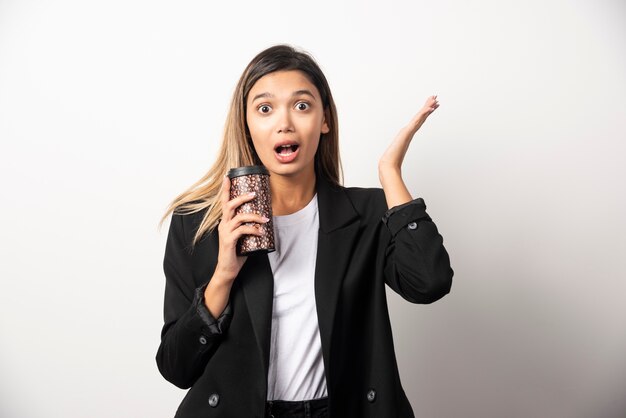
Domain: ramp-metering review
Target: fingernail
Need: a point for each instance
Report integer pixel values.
(252, 194)
(265, 219)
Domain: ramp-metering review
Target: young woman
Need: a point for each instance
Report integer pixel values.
(303, 331)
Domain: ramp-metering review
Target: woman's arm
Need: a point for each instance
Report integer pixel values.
(231, 228)
(197, 318)
(189, 335)
(417, 265)
(390, 164)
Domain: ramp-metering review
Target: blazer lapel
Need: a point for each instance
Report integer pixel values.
(257, 283)
(339, 225)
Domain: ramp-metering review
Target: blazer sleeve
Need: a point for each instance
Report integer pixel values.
(417, 265)
(190, 334)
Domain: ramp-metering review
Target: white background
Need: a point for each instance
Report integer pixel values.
(110, 109)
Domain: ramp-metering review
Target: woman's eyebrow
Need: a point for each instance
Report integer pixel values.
(267, 95)
(301, 92)
(263, 96)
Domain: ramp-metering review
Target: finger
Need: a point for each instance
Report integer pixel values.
(230, 225)
(247, 229)
(250, 229)
(232, 231)
(243, 218)
(240, 200)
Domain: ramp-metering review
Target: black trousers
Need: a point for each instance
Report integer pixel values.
(316, 408)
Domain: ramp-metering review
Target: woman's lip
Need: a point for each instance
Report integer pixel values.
(288, 157)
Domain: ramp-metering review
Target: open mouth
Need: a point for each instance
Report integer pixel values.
(286, 150)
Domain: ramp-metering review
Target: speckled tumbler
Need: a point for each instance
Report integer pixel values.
(244, 180)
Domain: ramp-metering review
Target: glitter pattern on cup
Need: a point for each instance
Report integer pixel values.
(244, 180)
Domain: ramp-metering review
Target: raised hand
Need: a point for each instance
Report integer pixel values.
(390, 164)
(394, 155)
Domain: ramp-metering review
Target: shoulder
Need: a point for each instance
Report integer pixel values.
(368, 202)
(339, 205)
(363, 195)
(186, 224)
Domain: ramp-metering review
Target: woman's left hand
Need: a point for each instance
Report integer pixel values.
(394, 155)
(390, 164)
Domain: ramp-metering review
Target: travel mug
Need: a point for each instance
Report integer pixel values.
(248, 179)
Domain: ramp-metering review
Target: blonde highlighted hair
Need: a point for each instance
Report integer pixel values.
(237, 149)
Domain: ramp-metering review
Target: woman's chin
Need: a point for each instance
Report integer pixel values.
(291, 171)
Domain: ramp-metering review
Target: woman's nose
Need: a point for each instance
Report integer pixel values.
(285, 123)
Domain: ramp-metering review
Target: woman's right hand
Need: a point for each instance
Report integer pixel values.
(231, 228)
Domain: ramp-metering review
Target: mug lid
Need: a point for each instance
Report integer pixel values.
(247, 170)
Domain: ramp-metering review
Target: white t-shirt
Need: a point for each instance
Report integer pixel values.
(296, 369)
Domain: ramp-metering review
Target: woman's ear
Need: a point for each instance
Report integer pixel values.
(325, 128)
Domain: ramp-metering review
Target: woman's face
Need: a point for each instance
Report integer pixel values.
(285, 117)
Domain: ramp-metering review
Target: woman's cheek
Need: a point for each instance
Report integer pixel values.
(264, 153)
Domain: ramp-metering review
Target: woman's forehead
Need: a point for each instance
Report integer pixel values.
(282, 83)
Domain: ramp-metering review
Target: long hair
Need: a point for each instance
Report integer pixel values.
(237, 149)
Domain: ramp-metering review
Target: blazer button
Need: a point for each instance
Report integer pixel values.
(214, 399)
(412, 225)
(371, 395)
(202, 340)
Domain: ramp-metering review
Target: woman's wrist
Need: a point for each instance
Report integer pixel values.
(217, 293)
(388, 171)
(396, 192)
(223, 277)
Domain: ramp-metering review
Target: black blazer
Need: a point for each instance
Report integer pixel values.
(225, 361)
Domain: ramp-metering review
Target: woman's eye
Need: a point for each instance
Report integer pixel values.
(302, 106)
(264, 109)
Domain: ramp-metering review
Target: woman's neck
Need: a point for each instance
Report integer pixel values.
(290, 194)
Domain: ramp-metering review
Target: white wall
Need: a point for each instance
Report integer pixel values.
(109, 109)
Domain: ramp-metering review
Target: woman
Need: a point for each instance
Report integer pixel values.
(303, 331)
